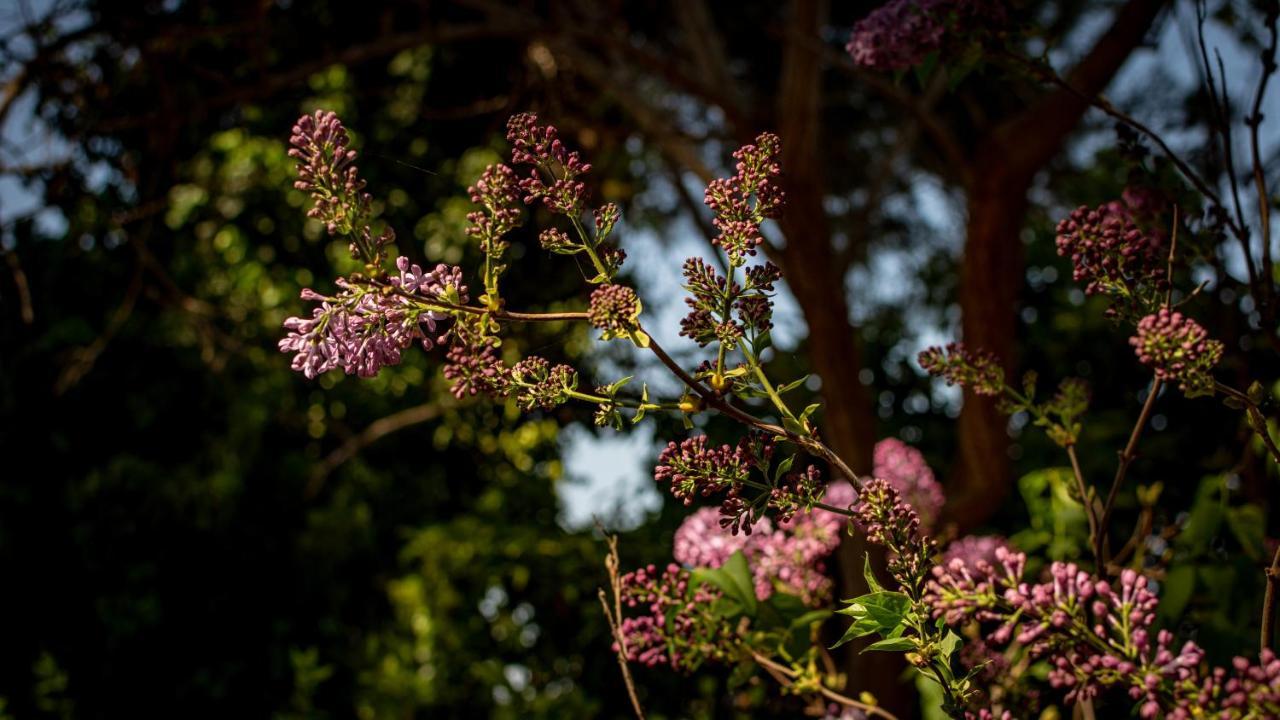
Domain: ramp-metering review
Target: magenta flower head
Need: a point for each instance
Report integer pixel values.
(695, 467)
(742, 202)
(326, 169)
(615, 309)
(904, 467)
(1177, 348)
(1112, 255)
(556, 169)
(901, 33)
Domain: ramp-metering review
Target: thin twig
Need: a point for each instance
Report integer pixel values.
(375, 431)
(1254, 121)
(785, 676)
(1087, 502)
(614, 617)
(1126, 458)
(1105, 106)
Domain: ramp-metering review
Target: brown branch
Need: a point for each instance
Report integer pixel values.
(376, 430)
(1126, 458)
(1254, 121)
(1269, 601)
(27, 312)
(614, 618)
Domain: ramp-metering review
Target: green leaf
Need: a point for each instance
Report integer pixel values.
(897, 644)
(616, 386)
(784, 467)
(813, 617)
(870, 575)
(809, 411)
(1176, 591)
(1248, 524)
(640, 338)
(792, 385)
(878, 612)
(949, 644)
(793, 426)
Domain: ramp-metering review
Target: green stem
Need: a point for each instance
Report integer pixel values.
(588, 246)
(622, 402)
(764, 382)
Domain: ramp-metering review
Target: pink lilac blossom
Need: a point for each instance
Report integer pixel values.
(541, 147)
(326, 170)
(1177, 348)
(742, 202)
(364, 328)
(1097, 635)
(972, 549)
(1112, 255)
(905, 469)
(790, 558)
(674, 630)
(900, 33)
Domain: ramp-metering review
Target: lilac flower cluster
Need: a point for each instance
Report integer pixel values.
(894, 525)
(475, 368)
(614, 309)
(710, 293)
(326, 169)
(554, 176)
(1113, 256)
(900, 33)
(973, 549)
(1097, 635)
(789, 558)
(676, 629)
(1177, 348)
(742, 202)
(538, 384)
(694, 467)
(364, 328)
(978, 371)
(498, 197)
(905, 469)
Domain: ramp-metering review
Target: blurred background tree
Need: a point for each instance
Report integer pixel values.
(185, 525)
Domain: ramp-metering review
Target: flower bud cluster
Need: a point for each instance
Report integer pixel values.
(536, 383)
(1178, 349)
(615, 310)
(710, 293)
(978, 371)
(894, 525)
(1097, 635)
(675, 628)
(326, 169)
(498, 197)
(554, 176)
(742, 202)
(1113, 256)
(901, 33)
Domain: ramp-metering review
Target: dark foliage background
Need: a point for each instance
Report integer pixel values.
(188, 527)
